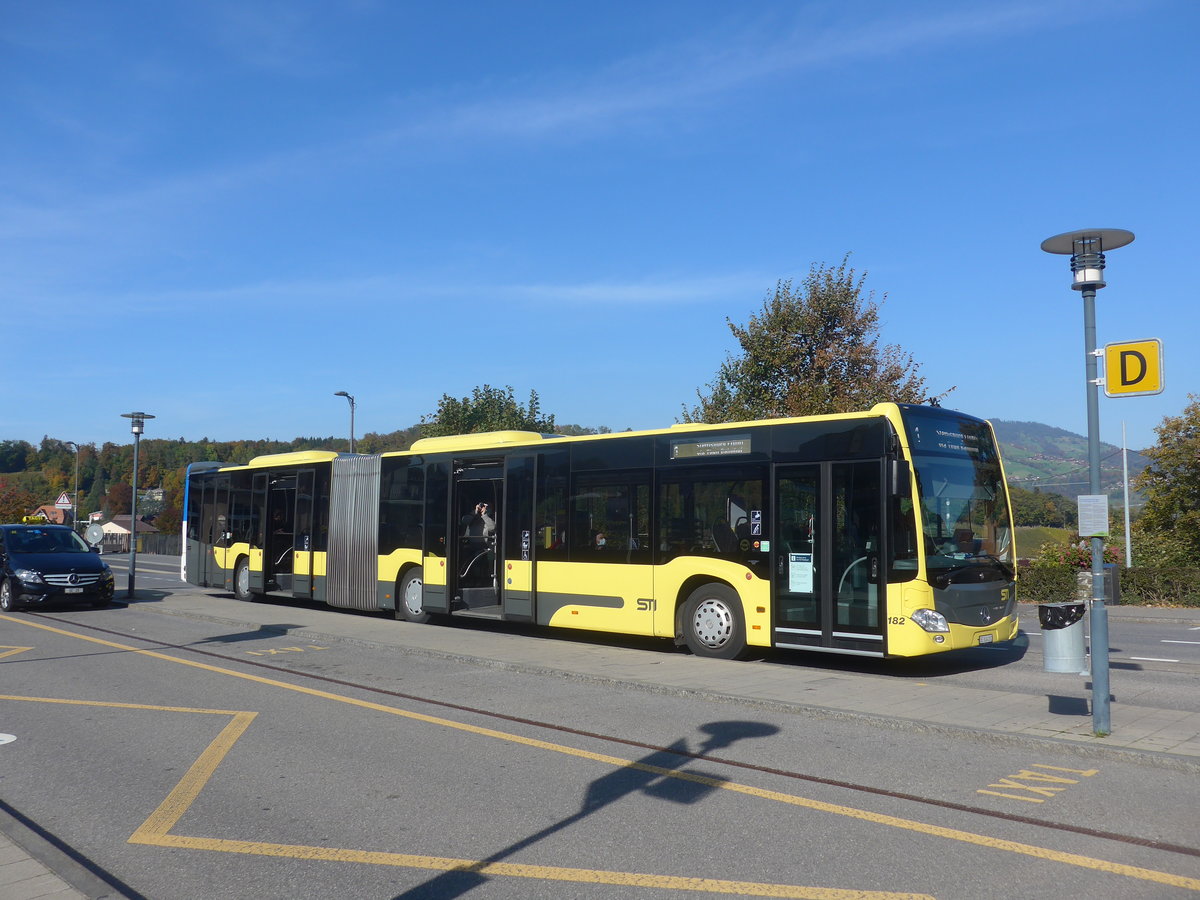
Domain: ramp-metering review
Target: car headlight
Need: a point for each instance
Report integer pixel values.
(930, 620)
(28, 576)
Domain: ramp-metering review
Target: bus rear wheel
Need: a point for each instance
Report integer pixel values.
(712, 623)
(241, 580)
(409, 606)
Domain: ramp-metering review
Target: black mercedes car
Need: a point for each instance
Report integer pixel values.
(44, 565)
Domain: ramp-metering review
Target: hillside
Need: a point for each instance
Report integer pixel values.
(1042, 456)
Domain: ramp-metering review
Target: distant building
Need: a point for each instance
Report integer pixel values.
(54, 515)
(117, 531)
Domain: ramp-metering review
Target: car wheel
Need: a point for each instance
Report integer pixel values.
(408, 599)
(241, 580)
(6, 597)
(712, 623)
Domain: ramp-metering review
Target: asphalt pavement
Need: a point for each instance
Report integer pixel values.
(30, 866)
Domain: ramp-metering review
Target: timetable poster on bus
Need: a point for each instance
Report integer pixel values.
(800, 573)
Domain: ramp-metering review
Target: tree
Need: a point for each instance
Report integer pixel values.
(809, 351)
(487, 409)
(1167, 533)
(15, 455)
(15, 502)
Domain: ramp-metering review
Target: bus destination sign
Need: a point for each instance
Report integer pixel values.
(723, 446)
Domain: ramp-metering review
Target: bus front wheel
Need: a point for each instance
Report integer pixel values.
(241, 580)
(712, 623)
(409, 605)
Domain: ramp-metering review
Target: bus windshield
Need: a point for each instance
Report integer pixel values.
(963, 500)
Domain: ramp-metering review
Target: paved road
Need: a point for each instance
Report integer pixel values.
(1057, 717)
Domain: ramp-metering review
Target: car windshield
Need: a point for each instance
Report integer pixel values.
(964, 504)
(45, 540)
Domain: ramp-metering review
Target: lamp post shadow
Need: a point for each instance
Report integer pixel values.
(658, 774)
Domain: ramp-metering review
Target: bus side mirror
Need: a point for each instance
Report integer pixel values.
(901, 479)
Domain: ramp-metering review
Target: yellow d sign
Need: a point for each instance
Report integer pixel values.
(1133, 368)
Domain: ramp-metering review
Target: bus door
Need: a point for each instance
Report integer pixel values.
(258, 531)
(281, 528)
(302, 538)
(476, 528)
(517, 579)
(829, 587)
(214, 533)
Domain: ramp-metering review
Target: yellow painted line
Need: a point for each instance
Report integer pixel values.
(953, 834)
(13, 651)
(155, 832)
(544, 873)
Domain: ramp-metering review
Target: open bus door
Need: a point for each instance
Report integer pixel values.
(476, 537)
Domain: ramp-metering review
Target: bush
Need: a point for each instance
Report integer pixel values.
(1076, 556)
(1150, 586)
(1047, 583)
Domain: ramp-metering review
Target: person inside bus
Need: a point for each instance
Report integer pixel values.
(479, 524)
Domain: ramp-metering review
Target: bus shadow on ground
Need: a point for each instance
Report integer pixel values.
(659, 774)
(949, 663)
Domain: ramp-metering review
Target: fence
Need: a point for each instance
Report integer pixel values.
(164, 544)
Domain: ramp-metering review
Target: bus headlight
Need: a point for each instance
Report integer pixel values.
(930, 620)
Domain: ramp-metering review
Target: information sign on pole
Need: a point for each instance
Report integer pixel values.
(1133, 368)
(1093, 515)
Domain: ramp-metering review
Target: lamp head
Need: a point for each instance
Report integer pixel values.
(1086, 248)
(138, 425)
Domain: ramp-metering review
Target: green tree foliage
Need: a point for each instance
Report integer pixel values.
(1035, 508)
(1168, 531)
(487, 409)
(15, 455)
(811, 350)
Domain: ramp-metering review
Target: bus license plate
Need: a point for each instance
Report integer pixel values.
(74, 590)
(986, 638)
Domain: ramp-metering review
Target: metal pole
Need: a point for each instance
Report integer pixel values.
(351, 424)
(133, 519)
(1101, 717)
(1125, 481)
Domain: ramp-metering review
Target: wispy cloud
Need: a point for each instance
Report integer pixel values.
(677, 79)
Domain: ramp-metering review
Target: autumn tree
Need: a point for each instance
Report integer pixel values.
(15, 502)
(811, 350)
(487, 409)
(1167, 533)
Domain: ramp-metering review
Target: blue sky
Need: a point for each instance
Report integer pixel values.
(223, 212)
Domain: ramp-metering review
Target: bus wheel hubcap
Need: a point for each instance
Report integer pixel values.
(713, 623)
(412, 597)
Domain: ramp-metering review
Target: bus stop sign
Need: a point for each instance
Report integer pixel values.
(1133, 368)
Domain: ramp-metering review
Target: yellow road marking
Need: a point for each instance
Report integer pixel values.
(13, 651)
(953, 834)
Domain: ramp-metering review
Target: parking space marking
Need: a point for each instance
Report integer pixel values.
(1044, 786)
(12, 651)
(954, 834)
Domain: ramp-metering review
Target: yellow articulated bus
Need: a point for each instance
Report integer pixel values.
(882, 533)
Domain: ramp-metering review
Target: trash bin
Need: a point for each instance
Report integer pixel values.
(1062, 637)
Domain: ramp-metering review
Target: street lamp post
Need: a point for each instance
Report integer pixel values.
(351, 399)
(1086, 248)
(137, 426)
(75, 496)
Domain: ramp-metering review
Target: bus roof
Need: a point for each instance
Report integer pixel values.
(296, 457)
(480, 439)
